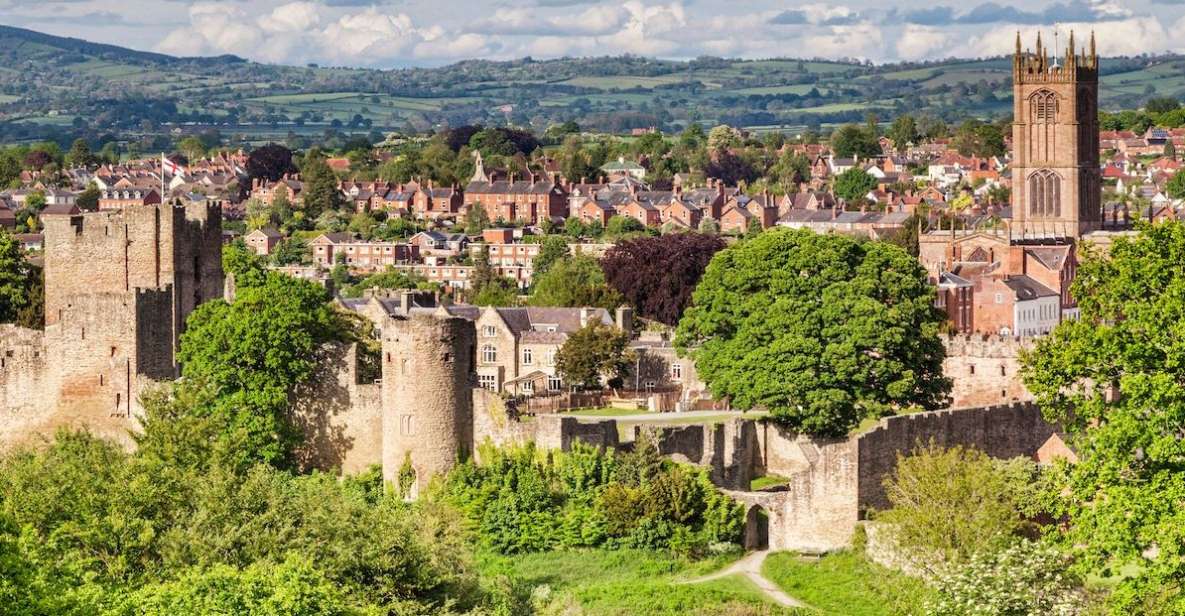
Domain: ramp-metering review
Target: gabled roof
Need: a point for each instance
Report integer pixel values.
(1027, 288)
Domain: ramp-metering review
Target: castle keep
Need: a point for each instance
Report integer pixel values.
(118, 287)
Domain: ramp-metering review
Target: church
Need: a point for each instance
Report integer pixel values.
(1014, 279)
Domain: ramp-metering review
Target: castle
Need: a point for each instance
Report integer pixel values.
(118, 287)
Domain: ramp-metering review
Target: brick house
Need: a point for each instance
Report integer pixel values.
(262, 241)
(328, 248)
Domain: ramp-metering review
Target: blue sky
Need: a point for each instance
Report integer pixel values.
(395, 33)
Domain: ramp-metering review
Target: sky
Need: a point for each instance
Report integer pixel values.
(399, 33)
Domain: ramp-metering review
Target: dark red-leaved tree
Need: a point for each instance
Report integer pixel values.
(657, 274)
(270, 162)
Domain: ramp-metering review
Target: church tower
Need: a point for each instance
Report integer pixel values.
(1056, 182)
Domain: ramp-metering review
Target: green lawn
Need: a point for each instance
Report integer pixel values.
(767, 481)
(629, 582)
(845, 584)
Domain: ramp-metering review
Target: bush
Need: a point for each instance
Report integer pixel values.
(1025, 579)
(519, 500)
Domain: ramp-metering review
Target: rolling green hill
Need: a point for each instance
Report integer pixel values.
(54, 86)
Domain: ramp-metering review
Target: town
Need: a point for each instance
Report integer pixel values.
(927, 364)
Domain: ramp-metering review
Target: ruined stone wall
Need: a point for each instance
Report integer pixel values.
(25, 381)
(341, 418)
(817, 509)
(494, 424)
(555, 432)
(984, 370)
(427, 399)
(1004, 431)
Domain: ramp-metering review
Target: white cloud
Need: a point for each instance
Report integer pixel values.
(921, 42)
(1132, 36)
(863, 41)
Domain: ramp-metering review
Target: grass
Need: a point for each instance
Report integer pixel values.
(630, 582)
(846, 584)
(767, 481)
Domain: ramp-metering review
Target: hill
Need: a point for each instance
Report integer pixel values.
(59, 87)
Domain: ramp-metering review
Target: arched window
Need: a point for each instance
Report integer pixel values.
(489, 354)
(1045, 194)
(1043, 106)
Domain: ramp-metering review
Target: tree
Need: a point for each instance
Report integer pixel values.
(594, 352)
(792, 169)
(14, 278)
(80, 154)
(1112, 378)
(708, 226)
(723, 137)
(320, 193)
(822, 330)
(1176, 185)
(270, 162)
(620, 225)
(1170, 150)
(950, 504)
(88, 200)
(1161, 105)
(573, 227)
(975, 138)
(573, 282)
(487, 287)
(904, 130)
(254, 352)
(657, 275)
(476, 219)
(850, 140)
(194, 149)
(554, 248)
(854, 185)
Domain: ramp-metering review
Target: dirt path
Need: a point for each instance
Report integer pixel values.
(750, 567)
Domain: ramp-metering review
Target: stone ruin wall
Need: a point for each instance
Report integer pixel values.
(1005, 431)
(339, 415)
(114, 310)
(984, 370)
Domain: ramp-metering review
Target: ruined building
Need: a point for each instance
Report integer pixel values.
(119, 285)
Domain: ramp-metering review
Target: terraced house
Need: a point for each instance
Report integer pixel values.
(530, 200)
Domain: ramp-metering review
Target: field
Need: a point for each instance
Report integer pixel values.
(631, 583)
(845, 584)
(607, 94)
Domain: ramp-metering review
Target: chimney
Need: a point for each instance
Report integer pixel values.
(625, 318)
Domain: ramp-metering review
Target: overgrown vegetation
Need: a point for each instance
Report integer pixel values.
(525, 500)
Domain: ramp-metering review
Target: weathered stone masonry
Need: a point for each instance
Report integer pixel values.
(118, 288)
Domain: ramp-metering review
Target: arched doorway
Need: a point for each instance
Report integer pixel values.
(756, 528)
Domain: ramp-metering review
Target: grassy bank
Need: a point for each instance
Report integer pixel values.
(845, 584)
(630, 582)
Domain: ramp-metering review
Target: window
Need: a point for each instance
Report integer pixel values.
(554, 383)
(489, 331)
(489, 354)
(487, 381)
(676, 372)
(528, 388)
(528, 357)
(999, 298)
(1045, 193)
(549, 357)
(972, 367)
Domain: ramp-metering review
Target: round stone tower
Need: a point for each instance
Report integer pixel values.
(428, 376)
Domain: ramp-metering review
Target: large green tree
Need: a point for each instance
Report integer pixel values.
(253, 352)
(575, 281)
(594, 352)
(822, 330)
(1115, 379)
(854, 184)
(16, 278)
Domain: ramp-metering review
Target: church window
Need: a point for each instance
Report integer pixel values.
(1044, 194)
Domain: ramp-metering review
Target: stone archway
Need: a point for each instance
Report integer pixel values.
(757, 528)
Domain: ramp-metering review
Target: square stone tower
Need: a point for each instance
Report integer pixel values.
(1056, 181)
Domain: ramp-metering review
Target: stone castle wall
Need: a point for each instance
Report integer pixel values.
(1005, 431)
(984, 370)
(118, 287)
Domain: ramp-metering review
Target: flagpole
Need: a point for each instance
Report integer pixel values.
(162, 178)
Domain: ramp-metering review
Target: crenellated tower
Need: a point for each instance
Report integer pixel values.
(1056, 181)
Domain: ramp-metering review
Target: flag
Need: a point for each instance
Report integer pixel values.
(171, 167)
